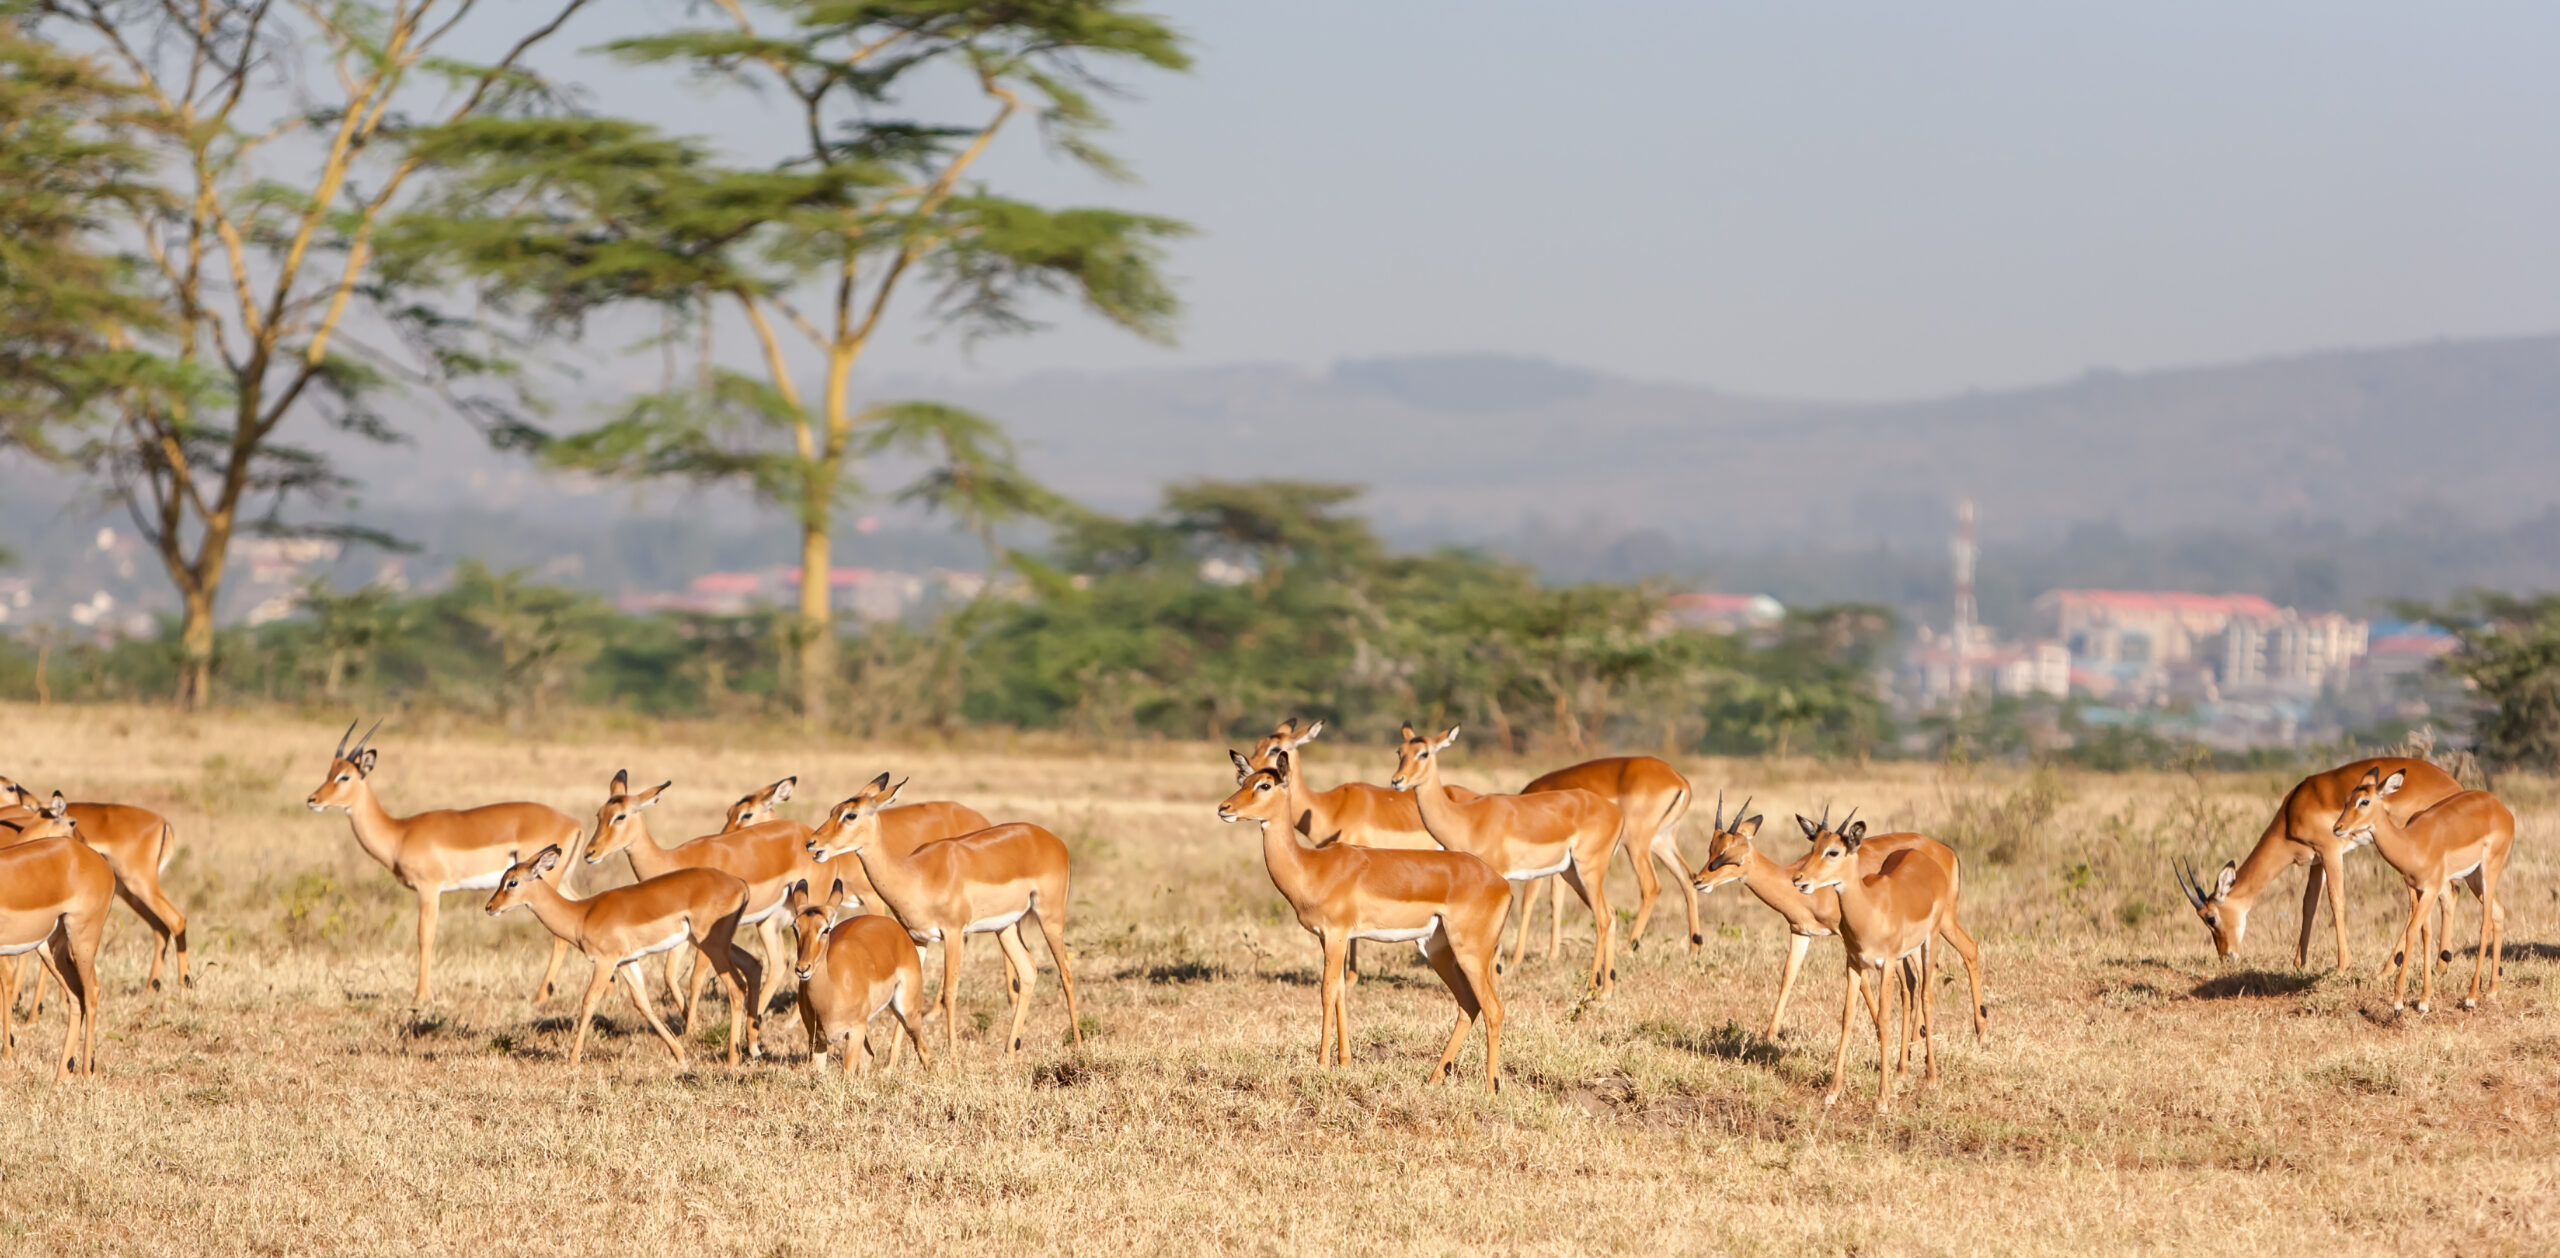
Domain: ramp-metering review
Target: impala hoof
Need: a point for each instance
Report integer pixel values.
(1697, 940)
(2423, 1007)
(2470, 1004)
(1635, 945)
(155, 984)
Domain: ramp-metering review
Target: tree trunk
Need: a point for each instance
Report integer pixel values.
(817, 627)
(195, 648)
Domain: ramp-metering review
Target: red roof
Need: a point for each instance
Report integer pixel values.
(2167, 601)
(726, 583)
(838, 578)
(2413, 644)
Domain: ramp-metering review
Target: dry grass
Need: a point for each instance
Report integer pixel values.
(2135, 1094)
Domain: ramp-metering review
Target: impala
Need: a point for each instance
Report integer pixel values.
(54, 893)
(1890, 915)
(1448, 904)
(1357, 813)
(1524, 837)
(973, 884)
(448, 849)
(2301, 834)
(767, 855)
(851, 971)
(619, 928)
(2466, 838)
(1731, 857)
(1651, 797)
(137, 843)
(758, 806)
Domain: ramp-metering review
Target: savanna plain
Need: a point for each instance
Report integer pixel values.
(2134, 1094)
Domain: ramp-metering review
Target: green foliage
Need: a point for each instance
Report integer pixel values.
(2510, 653)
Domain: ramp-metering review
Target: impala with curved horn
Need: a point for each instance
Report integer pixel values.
(448, 849)
(2301, 834)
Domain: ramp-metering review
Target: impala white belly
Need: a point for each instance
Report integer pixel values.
(985, 925)
(19, 950)
(770, 909)
(478, 882)
(1413, 935)
(667, 944)
(2461, 874)
(1524, 875)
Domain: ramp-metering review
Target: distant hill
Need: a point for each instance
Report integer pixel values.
(1470, 445)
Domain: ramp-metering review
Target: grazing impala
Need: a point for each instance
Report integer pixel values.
(2301, 834)
(448, 849)
(1524, 837)
(851, 971)
(767, 855)
(2467, 837)
(137, 843)
(1448, 904)
(1731, 857)
(619, 928)
(1891, 915)
(54, 893)
(950, 889)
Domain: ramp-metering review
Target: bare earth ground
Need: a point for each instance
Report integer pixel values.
(2135, 1094)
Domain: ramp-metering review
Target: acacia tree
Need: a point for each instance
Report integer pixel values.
(278, 136)
(562, 217)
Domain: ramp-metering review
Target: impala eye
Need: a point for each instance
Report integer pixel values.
(620, 817)
(342, 777)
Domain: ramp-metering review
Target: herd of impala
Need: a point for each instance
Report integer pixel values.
(1415, 861)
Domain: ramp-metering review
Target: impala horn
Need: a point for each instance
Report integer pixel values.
(1742, 812)
(368, 737)
(1844, 821)
(2187, 882)
(341, 752)
(1719, 812)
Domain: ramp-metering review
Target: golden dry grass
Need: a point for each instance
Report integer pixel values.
(2135, 1093)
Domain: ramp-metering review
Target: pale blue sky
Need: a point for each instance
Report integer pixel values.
(1816, 200)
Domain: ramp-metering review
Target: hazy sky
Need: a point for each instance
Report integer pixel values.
(1819, 200)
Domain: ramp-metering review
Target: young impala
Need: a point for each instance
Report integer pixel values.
(619, 928)
(1448, 904)
(1888, 916)
(851, 971)
(448, 849)
(2465, 838)
(137, 843)
(54, 893)
(950, 889)
(2301, 834)
(1524, 837)
(1731, 857)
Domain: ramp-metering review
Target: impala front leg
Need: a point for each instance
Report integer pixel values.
(952, 946)
(427, 906)
(551, 971)
(1853, 979)
(1797, 946)
(1880, 1004)
(2337, 863)
(1019, 959)
(1330, 988)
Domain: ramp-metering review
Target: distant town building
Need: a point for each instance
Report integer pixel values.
(1726, 613)
(2157, 645)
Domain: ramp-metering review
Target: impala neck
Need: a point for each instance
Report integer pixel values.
(1287, 862)
(1862, 907)
(377, 831)
(648, 860)
(1439, 816)
(2259, 868)
(558, 913)
(887, 870)
(1302, 803)
(1770, 881)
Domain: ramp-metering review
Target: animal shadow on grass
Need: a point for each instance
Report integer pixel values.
(2530, 952)
(2254, 983)
(1732, 1042)
(604, 1026)
(1192, 971)
(1305, 976)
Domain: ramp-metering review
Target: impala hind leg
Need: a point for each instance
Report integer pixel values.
(167, 924)
(1962, 941)
(952, 946)
(1555, 920)
(1444, 962)
(905, 1002)
(2410, 936)
(1024, 977)
(1526, 895)
(2337, 888)
(1667, 854)
(740, 975)
(636, 986)
(1053, 929)
(1854, 981)
(2311, 894)
(1797, 946)
(76, 968)
(1648, 891)
(1880, 1004)
(1604, 951)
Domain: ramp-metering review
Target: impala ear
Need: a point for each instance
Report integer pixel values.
(1446, 739)
(2230, 874)
(621, 782)
(649, 797)
(880, 783)
(893, 792)
(1307, 735)
(782, 789)
(1307, 823)
(836, 893)
(1811, 827)
(798, 897)
(1407, 729)
(2392, 784)
(1280, 765)
(1748, 827)
(55, 808)
(1244, 767)
(1855, 834)
(364, 763)
(546, 860)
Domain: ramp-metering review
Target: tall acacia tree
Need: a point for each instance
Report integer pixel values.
(278, 135)
(808, 252)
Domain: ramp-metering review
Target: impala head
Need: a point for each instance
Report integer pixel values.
(516, 885)
(2228, 919)
(1261, 794)
(50, 820)
(1288, 735)
(618, 821)
(348, 768)
(853, 824)
(759, 806)
(811, 918)
(1727, 846)
(1414, 757)
(1835, 851)
(13, 795)
(2364, 808)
